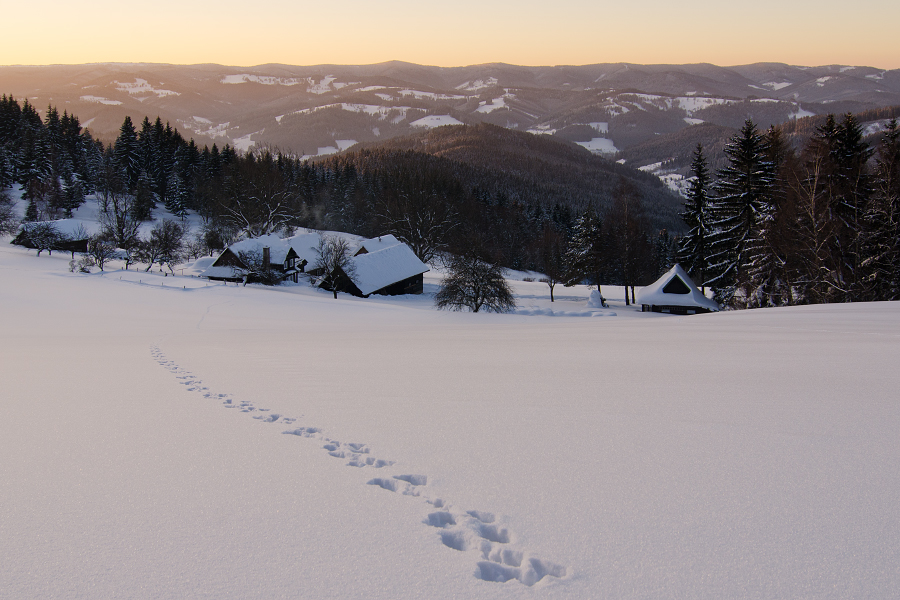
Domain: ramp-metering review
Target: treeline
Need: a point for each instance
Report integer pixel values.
(779, 226)
(435, 204)
(806, 127)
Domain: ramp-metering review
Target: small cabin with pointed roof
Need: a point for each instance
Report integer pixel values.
(675, 293)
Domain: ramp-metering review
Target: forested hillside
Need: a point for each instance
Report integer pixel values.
(537, 170)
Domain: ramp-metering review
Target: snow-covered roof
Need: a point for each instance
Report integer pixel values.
(379, 243)
(677, 295)
(305, 244)
(278, 248)
(380, 269)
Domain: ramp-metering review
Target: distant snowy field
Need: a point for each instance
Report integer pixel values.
(165, 438)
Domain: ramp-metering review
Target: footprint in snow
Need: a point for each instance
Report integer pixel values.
(476, 532)
(470, 531)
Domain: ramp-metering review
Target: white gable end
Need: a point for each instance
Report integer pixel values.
(675, 288)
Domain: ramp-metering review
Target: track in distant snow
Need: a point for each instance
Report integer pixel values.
(464, 531)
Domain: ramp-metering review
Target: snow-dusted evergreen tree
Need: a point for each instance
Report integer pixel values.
(742, 204)
(693, 255)
(9, 221)
(128, 154)
(175, 195)
(585, 255)
(881, 260)
(144, 198)
(7, 168)
(768, 251)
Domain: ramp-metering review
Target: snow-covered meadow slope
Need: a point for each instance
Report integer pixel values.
(165, 438)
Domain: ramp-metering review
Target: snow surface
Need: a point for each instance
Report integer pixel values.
(496, 103)
(142, 86)
(599, 146)
(101, 100)
(478, 84)
(245, 142)
(875, 127)
(262, 79)
(432, 121)
(168, 438)
(543, 129)
(378, 243)
(800, 113)
(430, 95)
(323, 87)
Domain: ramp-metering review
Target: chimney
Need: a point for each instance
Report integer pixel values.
(266, 257)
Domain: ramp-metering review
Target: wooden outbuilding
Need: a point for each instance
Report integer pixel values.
(386, 267)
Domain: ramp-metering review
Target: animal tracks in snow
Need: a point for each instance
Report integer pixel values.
(471, 531)
(476, 532)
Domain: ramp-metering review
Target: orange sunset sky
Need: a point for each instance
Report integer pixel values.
(455, 33)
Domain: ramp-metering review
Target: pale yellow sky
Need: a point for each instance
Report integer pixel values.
(463, 32)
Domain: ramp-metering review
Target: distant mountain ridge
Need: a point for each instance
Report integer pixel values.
(317, 110)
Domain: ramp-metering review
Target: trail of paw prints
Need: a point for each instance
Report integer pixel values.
(497, 558)
(464, 531)
(356, 454)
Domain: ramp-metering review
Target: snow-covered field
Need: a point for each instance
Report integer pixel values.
(166, 438)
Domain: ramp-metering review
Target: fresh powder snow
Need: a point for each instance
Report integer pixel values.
(170, 437)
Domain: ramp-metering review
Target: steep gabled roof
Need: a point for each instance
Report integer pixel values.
(675, 288)
(305, 245)
(278, 248)
(379, 269)
(375, 244)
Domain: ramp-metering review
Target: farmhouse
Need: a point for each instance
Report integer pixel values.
(675, 293)
(245, 259)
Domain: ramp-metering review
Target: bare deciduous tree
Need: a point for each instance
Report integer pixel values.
(258, 199)
(474, 284)
(424, 221)
(100, 250)
(164, 245)
(333, 256)
(43, 236)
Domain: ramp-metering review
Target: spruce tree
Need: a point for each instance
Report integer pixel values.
(768, 271)
(585, 255)
(693, 254)
(128, 154)
(881, 263)
(743, 202)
